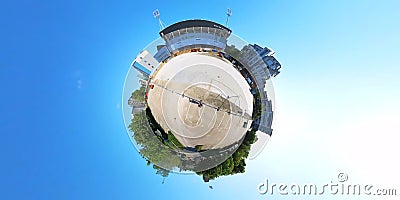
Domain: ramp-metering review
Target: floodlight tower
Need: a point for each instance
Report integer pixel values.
(228, 14)
(156, 14)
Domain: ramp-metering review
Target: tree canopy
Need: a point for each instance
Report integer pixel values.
(235, 163)
(164, 159)
(139, 94)
(150, 146)
(233, 51)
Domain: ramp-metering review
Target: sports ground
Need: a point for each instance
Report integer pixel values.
(201, 99)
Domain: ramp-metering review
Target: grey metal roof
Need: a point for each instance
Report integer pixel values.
(193, 23)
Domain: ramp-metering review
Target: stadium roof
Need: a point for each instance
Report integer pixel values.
(193, 23)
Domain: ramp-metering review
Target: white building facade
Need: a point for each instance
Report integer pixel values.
(195, 34)
(145, 63)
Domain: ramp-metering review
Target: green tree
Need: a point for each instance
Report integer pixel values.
(161, 171)
(233, 51)
(235, 163)
(140, 94)
(150, 146)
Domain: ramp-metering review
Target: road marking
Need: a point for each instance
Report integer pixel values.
(227, 123)
(223, 116)
(215, 114)
(200, 115)
(187, 112)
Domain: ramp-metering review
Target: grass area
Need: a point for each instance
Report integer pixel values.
(166, 138)
(155, 126)
(199, 148)
(172, 139)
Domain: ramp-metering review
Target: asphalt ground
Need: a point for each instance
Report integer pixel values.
(226, 102)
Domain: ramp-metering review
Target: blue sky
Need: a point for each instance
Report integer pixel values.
(63, 65)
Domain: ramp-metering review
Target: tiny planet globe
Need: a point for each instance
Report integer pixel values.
(199, 99)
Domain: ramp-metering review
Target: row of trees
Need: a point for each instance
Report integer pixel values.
(150, 147)
(235, 163)
(257, 106)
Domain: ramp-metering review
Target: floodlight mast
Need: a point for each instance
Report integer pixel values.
(228, 14)
(156, 14)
